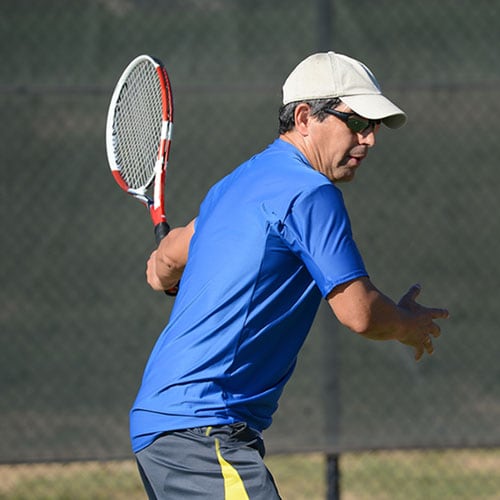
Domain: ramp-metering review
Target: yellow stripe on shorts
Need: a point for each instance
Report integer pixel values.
(234, 489)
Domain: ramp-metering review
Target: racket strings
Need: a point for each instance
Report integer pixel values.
(137, 126)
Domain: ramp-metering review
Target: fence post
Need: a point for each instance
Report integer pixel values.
(333, 477)
(332, 404)
(324, 14)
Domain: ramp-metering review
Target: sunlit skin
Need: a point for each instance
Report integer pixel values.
(331, 146)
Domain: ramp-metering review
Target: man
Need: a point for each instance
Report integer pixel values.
(270, 240)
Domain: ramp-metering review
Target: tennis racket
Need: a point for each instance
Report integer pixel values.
(138, 136)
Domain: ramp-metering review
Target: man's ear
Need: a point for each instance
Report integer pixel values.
(302, 118)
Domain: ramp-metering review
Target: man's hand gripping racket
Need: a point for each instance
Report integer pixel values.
(138, 136)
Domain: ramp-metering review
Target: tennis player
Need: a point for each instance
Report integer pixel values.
(270, 241)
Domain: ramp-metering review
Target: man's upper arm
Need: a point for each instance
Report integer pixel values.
(318, 230)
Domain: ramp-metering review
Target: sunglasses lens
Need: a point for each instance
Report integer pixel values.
(358, 124)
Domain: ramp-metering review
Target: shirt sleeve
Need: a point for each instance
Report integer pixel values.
(318, 230)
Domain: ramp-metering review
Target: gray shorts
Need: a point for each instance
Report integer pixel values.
(210, 463)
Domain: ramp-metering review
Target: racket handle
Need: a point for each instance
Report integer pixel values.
(161, 230)
(172, 292)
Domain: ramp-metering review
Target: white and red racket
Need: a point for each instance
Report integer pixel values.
(138, 136)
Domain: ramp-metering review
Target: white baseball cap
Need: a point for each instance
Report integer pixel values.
(328, 75)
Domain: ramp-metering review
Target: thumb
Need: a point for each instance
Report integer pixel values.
(413, 292)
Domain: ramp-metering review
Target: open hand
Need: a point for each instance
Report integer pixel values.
(423, 327)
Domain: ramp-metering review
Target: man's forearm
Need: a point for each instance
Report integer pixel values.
(167, 263)
(383, 320)
(360, 306)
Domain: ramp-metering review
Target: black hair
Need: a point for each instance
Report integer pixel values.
(287, 111)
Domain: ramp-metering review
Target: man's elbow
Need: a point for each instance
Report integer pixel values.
(357, 305)
(369, 328)
(360, 324)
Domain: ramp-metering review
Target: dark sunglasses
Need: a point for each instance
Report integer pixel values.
(355, 122)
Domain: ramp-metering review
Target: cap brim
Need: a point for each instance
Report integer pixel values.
(376, 107)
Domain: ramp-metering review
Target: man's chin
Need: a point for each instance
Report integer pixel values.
(346, 175)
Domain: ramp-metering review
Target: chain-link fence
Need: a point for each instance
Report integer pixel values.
(77, 318)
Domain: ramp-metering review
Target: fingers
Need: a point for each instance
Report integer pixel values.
(151, 276)
(428, 325)
(425, 328)
(408, 301)
(419, 352)
(439, 313)
(434, 330)
(426, 346)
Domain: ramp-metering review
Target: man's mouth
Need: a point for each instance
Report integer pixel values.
(358, 153)
(356, 159)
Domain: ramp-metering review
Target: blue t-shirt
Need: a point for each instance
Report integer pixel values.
(270, 240)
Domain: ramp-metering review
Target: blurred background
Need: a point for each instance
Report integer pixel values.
(77, 319)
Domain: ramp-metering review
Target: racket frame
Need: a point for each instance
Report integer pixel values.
(156, 204)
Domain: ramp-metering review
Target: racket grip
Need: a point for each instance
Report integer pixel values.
(161, 230)
(172, 292)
